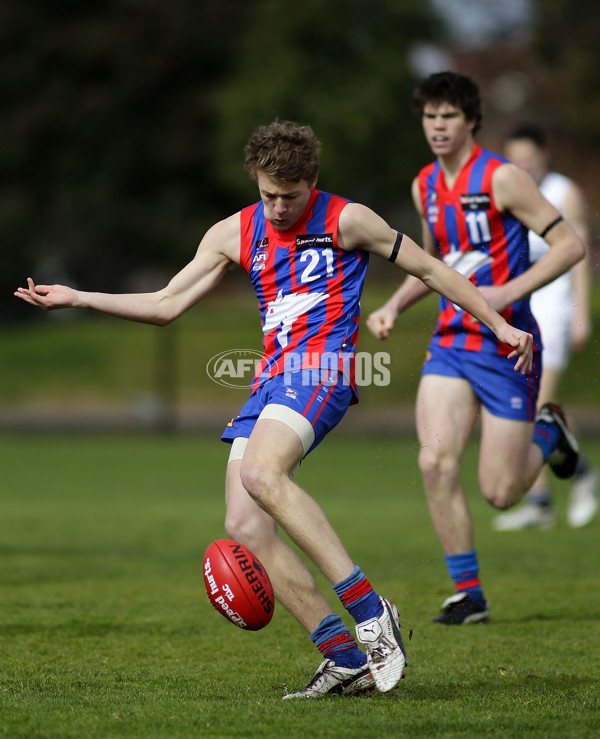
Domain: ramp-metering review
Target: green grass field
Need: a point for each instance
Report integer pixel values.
(106, 630)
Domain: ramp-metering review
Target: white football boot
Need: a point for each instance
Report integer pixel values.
(528, 516)
(331, 679)
(385, 651)
(583, 499)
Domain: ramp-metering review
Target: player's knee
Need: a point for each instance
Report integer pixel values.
(500, 502)
(436, 466)
(236, 528)
(260, 481)
(501, 494)
(250, 530)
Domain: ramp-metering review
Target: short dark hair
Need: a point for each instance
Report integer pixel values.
(531, 132)
(449, 87)
(285, 151)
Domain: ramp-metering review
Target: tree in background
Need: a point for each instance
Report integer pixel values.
(344, 69)
(535, 61)
(107, 130)
(124, 121)
(567, 47)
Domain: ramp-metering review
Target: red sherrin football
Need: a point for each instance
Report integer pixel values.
(237, 584)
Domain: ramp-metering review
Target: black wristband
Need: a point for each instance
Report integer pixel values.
(396, 249)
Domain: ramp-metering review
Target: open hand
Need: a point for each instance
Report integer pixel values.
(47, 297)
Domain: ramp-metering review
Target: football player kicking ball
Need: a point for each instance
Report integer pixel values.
(475, 210)
(306, 253)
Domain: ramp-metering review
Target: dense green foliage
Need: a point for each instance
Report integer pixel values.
(107, 131)
(124, 121)
(353, 86)
(106, 630)
(565, 45)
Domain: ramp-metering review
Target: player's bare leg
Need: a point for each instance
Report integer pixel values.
(446, 411)
(296, 590)
(537, 509)
(509, 461)
(294, 585)
(273, 451)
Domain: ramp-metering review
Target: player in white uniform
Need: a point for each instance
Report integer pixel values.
(562, 310)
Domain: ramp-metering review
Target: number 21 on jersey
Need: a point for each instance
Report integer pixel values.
(315, 268)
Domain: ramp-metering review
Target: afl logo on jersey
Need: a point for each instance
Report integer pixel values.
(259, 260)
(433, 209)
(261, 255)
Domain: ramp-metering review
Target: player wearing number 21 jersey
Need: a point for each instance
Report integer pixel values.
(306, 253)
(476, 239)
(308, 288)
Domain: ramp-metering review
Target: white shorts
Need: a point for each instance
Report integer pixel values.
(552, 306)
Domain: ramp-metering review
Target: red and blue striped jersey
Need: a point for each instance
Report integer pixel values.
(487, 246)
(308, 288)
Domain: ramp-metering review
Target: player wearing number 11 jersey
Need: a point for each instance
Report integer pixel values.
(475, 209)
(478, 240)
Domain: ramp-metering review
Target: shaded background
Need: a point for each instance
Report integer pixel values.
(124, 121)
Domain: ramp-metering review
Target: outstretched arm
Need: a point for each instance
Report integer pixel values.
(361, 228)
(217, 250)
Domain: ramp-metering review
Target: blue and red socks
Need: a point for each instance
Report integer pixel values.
(464, 570)
(358, 597)
(545, 435)
(335, 642)
(331, 637)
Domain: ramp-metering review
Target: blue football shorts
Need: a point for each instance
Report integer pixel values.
(311, 406)
(502, 391)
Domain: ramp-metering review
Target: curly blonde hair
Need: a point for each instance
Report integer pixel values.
(285, 151)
